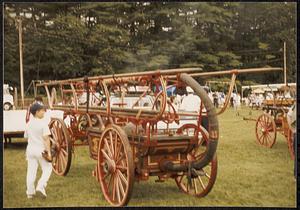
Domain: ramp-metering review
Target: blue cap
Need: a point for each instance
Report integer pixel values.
(36, 107)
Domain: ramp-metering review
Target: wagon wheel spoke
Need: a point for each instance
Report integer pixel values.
(201, 182)
(55, 161)
(261, 124)
(106, 156)
(263, 139)
(110, 180)
(269, 127)
(59, 163)
(123, 178)
(64, 151)
(118, 190)
(62, 164)
(120, 158)
(54, 133)
(187, 184)
(63, 158)
(111, 144)
(121, 187)
(206, 174)
(114, 188)
(116, 145)
(181, 178)
(59, 136)
(108, 148)
(52, 140)
(268, 139)
(117, 151)
(260, 138)
(195, 186)
(266, 120)
(124, 168)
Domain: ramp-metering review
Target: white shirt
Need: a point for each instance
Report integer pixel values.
(190, 103)
(35, 130)
(234, 97)
(291, 117)
(177, 102)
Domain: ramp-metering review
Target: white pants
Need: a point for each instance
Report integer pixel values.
(34, 159)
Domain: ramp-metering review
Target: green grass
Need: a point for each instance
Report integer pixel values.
(248, 175)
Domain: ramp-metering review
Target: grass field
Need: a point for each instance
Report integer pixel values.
(248, 175)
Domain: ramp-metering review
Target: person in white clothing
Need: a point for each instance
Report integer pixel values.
(291, 119)
(38, 151)
(237, 103)
(190, 102)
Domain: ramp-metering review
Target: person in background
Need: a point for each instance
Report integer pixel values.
(291, 119)
(210, 95)
(38, 151)
(269, 96)
(220, 101)
(37, 99)
(261, 99)
(179, 93)
(190, 102)
(215, 99)
(237, 103)
(233, 99)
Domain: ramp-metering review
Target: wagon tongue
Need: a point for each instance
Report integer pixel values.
(213, 132)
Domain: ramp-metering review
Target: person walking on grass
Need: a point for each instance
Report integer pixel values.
(38, 151)
(291, 119)
(237, 103)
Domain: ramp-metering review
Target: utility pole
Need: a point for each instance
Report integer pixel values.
(19, 21)
(284, 62)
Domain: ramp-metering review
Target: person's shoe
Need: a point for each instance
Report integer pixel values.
(41, 192)
(29, 196)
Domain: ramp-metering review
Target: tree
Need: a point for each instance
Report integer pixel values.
(67, 40)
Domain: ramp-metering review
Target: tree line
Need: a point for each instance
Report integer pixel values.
(67, 40)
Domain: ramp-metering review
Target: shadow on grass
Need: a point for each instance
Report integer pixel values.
(148, 190)
(16, 145)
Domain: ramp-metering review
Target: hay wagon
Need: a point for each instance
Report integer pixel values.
(134, 131)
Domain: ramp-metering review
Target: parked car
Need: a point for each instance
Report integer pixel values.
(8, 100)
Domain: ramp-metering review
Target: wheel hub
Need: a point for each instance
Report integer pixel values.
(110, 166)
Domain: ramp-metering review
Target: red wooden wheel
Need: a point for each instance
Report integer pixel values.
(265, 130)
(61, 147)
(115, 166)
(290, 141)
(206, 177)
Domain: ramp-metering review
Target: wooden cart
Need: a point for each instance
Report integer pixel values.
(132, 141)
(274, 120)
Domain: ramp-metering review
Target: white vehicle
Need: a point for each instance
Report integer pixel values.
(8, 100)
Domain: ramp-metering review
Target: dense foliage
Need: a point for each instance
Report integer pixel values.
(66, 40)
